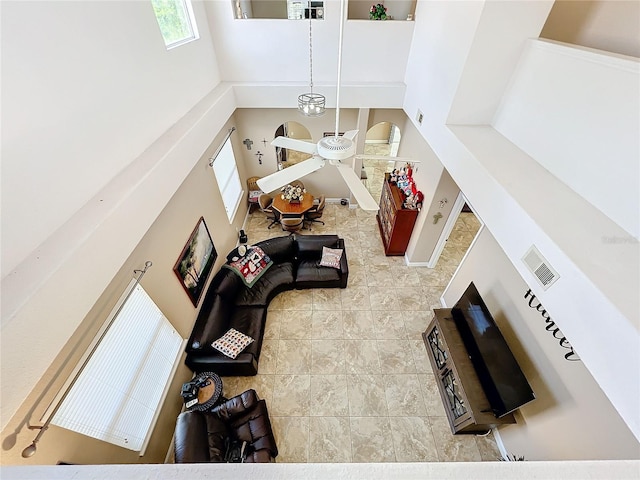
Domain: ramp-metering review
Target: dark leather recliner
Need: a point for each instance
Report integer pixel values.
(201, 437)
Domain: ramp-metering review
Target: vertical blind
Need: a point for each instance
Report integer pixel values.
(226, 172)
(117, 395)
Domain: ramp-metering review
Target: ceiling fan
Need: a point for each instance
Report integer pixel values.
(331, 150)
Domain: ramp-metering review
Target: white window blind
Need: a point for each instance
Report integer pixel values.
(226, 172)
(117, 395)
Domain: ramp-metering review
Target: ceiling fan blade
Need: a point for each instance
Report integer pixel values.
(294, 144)
(294, 172)
(359, 191)
(351, 134)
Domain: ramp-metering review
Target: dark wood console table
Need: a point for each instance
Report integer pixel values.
(467, 407)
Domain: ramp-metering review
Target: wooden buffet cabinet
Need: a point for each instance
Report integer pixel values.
(465, 402)
(396, 223)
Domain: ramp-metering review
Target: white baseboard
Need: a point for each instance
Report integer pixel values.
(499, 443)
(415, 264)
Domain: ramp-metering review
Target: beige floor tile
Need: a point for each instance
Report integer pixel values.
(383, 298)
(358, 325)
(355, 298)
(412, 439)
(329, 396)
(272, 325)
(295, 325)
(371, 440)
(329, 440)
(292, 438)
(431, 395)
(404, 396)
(326, 324)
(327, 299)
(290, 396)
(395, 356)
(294, 356)
(388, 324)
(361, 356)
(268, 356)
(367, 396)
(327, 357)
(453, 448)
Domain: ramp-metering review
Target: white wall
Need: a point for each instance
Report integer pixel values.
(571, 418)
(499, 40)
(96, 155)
(576, 112)
(282, 54)
(442, 41)
(87, 86)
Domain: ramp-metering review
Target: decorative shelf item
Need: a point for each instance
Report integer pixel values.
(378, 12)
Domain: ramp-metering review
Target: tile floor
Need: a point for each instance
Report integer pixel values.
(344, 371)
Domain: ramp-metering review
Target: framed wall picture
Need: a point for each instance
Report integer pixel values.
(196, 261)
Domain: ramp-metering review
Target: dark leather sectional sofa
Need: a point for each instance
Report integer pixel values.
(229, 303)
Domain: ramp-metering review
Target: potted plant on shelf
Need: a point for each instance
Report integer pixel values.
(378, 12)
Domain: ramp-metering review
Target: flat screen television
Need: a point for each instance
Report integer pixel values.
(500, 375)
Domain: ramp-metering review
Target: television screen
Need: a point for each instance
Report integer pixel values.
(502, 379)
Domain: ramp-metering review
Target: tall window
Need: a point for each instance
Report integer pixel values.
(116, 397)
(226, 171)
(176, 21)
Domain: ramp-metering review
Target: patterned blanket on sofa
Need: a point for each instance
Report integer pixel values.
(251, 267)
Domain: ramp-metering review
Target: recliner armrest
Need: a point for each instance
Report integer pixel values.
(236, 406)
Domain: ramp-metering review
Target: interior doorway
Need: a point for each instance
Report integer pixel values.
(287, 157)
(460, 231)
(382, 139)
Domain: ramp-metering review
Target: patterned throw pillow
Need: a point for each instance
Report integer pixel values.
(232, 343)
(331, 257)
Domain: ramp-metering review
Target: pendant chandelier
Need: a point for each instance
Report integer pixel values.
(311, 104)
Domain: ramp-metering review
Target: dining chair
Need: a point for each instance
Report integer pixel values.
(265, 202)
(292, 224)
(315, 213)
(253, 192)
(297, 183)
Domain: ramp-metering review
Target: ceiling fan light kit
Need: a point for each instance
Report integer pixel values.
(311, 104)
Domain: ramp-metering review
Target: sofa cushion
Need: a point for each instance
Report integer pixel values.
(312, 275)
(250, 321)
(212, 322)
(277, 279)
(232, 343)
(226, 284)
(330, 257)
(279, 249)
(309, 247)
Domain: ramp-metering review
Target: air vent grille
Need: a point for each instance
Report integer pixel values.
(540, 268)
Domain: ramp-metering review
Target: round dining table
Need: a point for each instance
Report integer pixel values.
(288, 209)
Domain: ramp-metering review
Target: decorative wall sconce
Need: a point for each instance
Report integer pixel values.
(443, 202)
(259, 155)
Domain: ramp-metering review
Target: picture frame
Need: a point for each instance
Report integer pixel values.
(196, 262)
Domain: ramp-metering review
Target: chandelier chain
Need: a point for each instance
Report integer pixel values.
(310, 56)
